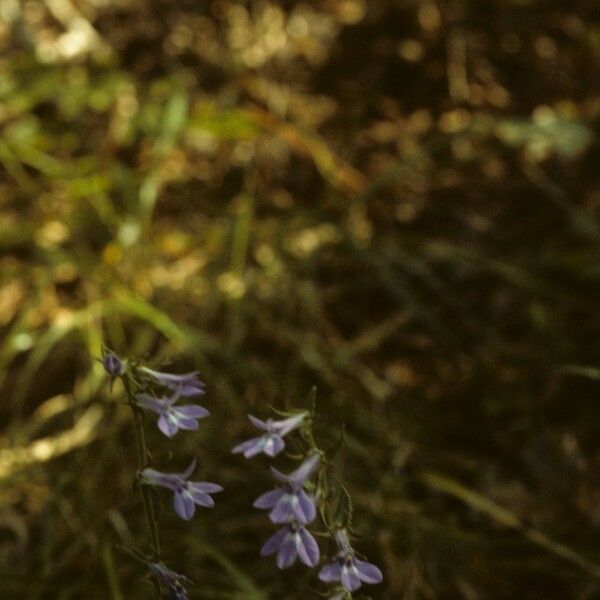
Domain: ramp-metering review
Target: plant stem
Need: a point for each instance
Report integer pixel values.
(111, 574)
(142, 452)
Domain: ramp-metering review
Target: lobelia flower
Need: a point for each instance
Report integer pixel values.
(172, 418)
(187, 494)
(291, 502)
(171, 580)
(291, 542)
(178, 592)
(186, 384)
(347, 569)
(271, 442)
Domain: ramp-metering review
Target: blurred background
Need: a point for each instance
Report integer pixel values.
(394, 200)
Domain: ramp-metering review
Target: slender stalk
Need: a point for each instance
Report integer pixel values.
(142, 452)
(111, 574)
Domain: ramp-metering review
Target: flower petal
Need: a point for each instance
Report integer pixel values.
(165, 575)
(158, 405)
(331, 572)
(184, 505)
(283, 511)
(251, 447)
(343, 542)
(207, 486)
(190, 388)
(279, 475)
(272, 544)
(199, 497)
(258, 423)
(268, 499)
(305, 470)
(301, 474)
(368, 572)
(191, 411)
(167, 426)
(349, 578)
(273, 445)
(288, 551)
(304, 508)
(286, 425)
(308, 549)
(252, 452)
(186, 384)
(190, 469)
(181, 422)
(153, 477)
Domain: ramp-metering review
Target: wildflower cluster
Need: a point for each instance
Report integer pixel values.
(294, 504)
(159, 393)
(290, 504)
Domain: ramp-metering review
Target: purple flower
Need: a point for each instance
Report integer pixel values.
(186, 384)
(171, 580)
(291, 502)
(291, 542)
(186, 493)
(112, 364)
(178, 592)
(172, 418)
(271, 442)
(347, 568)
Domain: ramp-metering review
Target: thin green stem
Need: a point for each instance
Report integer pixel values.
(142, 452)
(111, 573)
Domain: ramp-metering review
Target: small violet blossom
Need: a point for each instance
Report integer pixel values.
(291, 542)
(187, 494)
(172, 418)
(347, 569)
(113, 365)
(186, 384)
(271, 442)
(171, 580)
(291, 502)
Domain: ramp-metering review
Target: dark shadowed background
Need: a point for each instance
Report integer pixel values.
(394, 200)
